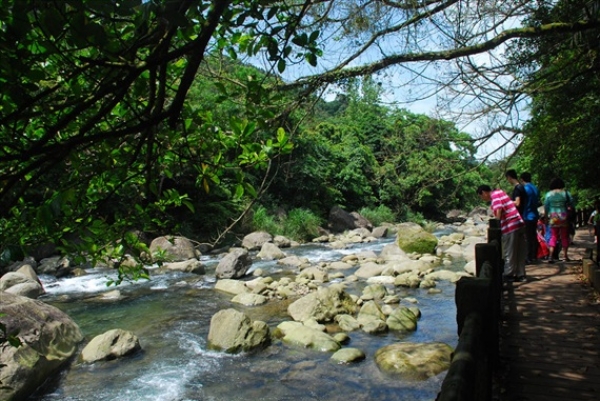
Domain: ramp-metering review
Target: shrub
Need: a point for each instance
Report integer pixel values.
(381, 214)
(301, 224)
(263, 221)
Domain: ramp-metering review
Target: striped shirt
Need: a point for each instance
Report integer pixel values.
(510, 219)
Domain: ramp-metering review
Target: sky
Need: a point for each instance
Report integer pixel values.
(415, 86)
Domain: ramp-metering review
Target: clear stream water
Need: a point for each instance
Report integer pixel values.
(171, 316)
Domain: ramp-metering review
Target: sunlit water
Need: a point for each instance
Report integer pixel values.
(171, 315)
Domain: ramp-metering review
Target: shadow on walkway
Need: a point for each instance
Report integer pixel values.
(550, 333)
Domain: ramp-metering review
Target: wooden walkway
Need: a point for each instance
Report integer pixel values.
(550, 333)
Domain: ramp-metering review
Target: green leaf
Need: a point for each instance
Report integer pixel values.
(239, 191)
(189, 205)
(312, 59)
(314, 36)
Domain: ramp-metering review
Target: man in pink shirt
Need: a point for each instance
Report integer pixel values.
(512, 226)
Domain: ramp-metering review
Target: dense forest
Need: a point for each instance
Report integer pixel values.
(155, 117)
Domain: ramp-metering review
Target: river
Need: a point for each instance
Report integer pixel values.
(171, 316)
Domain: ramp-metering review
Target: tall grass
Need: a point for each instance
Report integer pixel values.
(263, 221)
(417, 217)
(298, 224)
(381, 214)
(301, 224)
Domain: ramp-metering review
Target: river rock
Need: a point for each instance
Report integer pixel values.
(256, 240)
(409, 279)
(49, 339)
(28, 271)
(347, 322)
(172, 249)
(21, 284)
(371, 318)
(234, 265)
(340, 220)
(111, 345)
(249, 299)
(294, 261)
(402, 320)
(230, 286)
(313, 273)
(282, 242)
(55, 265)
(270, 251)
(340, 265)
(455, 251)
(383, 280)
(348, 355)
(470, 268)
(232, 331)
(187, 266)
(296, 333)
(323, 304)
(414, 361)
(374, 291)
(392, 252)
(412, 237)
(380, 232)
(369, 269)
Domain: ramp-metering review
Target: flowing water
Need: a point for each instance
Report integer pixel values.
(171, 316)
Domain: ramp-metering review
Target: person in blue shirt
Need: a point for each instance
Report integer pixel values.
(530, 216)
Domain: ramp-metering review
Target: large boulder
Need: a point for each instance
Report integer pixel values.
(21, 284)
(49, 339)
(232, 331)
(113, 344)
(340, 220)
(323, 305)
(414, 361)
(172, 249)
(55, 265)
(412, 237)
(234, 265)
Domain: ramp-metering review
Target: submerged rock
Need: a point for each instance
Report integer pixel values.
(348, 355)
(414, 361)
(296, 333)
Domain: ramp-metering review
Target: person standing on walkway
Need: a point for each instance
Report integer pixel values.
(556, 203)
(519, 196)
(513, 231)
(594, 220)
(530, 216)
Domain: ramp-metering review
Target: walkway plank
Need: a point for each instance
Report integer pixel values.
(550, 334)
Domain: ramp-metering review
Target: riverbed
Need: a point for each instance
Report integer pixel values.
(171, 316)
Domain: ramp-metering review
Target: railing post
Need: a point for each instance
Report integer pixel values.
(494, 232)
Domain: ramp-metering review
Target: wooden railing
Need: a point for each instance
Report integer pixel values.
(477, 315)
(478, 309)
